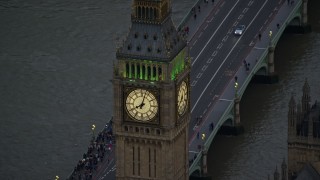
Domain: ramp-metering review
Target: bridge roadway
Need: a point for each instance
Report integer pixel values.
(217, 57)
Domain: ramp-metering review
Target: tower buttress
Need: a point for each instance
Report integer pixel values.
(310, 129)
(305, 100)
(299, 119)
(292, 116)
(284, 172)
(276, 175)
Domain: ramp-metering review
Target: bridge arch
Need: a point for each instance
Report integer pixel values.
(295, 20)
(228, 120)
(262, 70)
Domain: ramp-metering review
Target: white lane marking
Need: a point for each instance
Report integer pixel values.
(250, 3)
(219, 46)
(214, 53)
(225, 38)
(223, 4)
(260, 29)
(209, 60)
(194, 83)
(209, 104)
(216, 13)
(205, 27)
(270, 15)
(251, 43)
(226, 58)
(245, 10)
(211, 19)
(235, 23)
(199, 75)
(195, 42)
(265, 22)
(204, 111)
(204, 67)
(214, 33)
(240, 17)
(200, 34)
(230, 31)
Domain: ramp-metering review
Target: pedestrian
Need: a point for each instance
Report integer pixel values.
(245, 62)
(211, 126)
(278, 26)
(212, 1)
(198, 135)
(288, 2)
(259, 37)
(199, 8)
(195, 15)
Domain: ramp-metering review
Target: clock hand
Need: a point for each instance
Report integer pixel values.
(142, 103)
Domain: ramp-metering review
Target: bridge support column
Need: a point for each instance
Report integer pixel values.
(204, 167)
(236, 111)
(304, 24)
(272, 77)
(238, 128)
(304, 12)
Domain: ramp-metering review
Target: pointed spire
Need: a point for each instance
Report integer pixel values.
(284, 172)
(305, 100)
(276, 175)
(299, 113)
(292, 115)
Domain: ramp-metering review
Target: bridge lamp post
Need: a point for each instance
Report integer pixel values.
(270, 36)
(204, 153)
(92, 128)
(236, 85)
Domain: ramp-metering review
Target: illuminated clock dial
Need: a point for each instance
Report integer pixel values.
(141, 105)
(182, 98)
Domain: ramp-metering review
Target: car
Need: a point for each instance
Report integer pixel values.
(240, 30)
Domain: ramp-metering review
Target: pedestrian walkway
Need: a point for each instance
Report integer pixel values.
(197, 16)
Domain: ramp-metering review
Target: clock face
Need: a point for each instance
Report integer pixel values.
(141, 105)
(182, 98)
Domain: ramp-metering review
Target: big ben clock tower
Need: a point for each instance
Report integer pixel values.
(152, 97)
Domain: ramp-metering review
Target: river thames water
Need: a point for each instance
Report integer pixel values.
(55, 68)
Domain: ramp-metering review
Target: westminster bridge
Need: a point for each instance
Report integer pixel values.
(223, 64)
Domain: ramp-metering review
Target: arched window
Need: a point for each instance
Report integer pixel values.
(149, 72)
(139, 12)
(143, 12)
(160, 73)
(152, 14)
(148, 15)
(155, 13)
(132, 71)
(154, 73)
(138, 71)
(143, 72)
(136, 13)
(127, 70)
